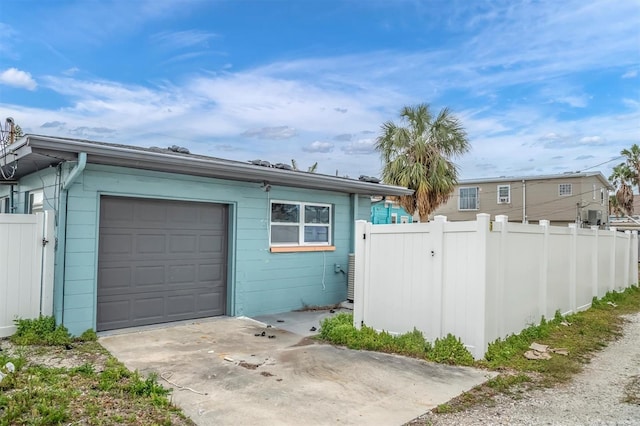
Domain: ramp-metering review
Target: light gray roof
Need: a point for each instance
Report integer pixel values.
(36, 152)
(567, 175)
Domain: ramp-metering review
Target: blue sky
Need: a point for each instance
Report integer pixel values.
(540, 86)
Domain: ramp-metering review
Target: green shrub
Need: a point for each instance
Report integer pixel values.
(450, 350)
(40, 331)
(88, 336)
(339, 330)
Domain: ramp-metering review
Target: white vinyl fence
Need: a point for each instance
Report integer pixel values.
(26, 268)
(481, 280)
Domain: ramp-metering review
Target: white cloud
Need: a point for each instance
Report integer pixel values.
(591, 140)
(362, 146)
(630, 74)
(279, 132)
(17, 78)
(183, 39)
(318, 146)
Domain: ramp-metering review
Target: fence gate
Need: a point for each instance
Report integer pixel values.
(26, 268)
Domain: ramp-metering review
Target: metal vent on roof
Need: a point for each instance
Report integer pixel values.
(260, 163)
(369, 179)
(283, 166)
(180, 149)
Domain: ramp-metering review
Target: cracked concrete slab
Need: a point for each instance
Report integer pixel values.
(235, 377)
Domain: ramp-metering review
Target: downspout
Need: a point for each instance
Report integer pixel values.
(354, 201)
(62, 231)
(524, 201)
(79, 168)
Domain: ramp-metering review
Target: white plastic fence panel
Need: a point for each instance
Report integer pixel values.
(26, 268)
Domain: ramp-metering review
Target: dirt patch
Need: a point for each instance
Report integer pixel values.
(307, 341)
(266, 374)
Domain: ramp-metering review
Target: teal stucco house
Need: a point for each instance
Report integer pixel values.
(150, 235)
(387, 212)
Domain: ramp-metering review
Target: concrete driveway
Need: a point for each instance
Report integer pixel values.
(237, 378)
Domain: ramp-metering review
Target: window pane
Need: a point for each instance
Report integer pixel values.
(284, 234)
(316, 214)
(468, 198)
(287, 213)
(316, 234)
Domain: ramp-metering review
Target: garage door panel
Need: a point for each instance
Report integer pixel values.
(150, 244)
(160, 261)
(210, 272)
(183, 244)
(114, 279)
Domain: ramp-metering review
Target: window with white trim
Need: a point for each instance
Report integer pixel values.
(602, 196)
(504, 194)
(468, 198)
(565, 189)
(300, 224)
(35, 202)
(394, 217)
(5, 207)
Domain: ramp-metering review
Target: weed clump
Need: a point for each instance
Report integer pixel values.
(40, 331)
(450, 350)
(339, 330)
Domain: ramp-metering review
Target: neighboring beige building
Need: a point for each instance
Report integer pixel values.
(581, 198)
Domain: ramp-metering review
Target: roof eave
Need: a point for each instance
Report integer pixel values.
(209, 167)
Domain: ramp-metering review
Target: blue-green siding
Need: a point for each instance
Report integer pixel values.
(382, 212)
(260, 282)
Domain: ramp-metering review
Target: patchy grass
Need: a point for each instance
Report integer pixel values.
(589, 332)
(61, 380)
(339, 330)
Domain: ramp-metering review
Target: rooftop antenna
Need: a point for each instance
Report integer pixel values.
(11, 127)
(7, 137)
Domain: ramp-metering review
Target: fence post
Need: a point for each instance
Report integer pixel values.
(501, 265)
(478, 321)
(573, 254)
(627, 259)
(595, 261)
(544, 269)
(361, 264)
(612, 260)
(437, 253)
(634, 257)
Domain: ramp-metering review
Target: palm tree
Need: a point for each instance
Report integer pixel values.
(620, 176)
(417, 154)
(633, 162)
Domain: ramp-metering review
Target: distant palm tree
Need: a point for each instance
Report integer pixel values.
(418, 155)
(633, 162)
(310, 169)
(620, 176)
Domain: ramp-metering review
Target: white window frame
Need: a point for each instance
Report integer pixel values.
(404, 219)
(301, 224)
(477, 190)
(5, 205)
(602, 196)
(562, 189)
(35, 202)
(394, 218)
(501, 199)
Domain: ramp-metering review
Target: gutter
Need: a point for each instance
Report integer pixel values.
(141, 158)
(79, 168)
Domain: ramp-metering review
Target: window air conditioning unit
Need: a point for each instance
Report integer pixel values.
(504, 199)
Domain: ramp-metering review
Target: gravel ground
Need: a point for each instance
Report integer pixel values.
(594, 397)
